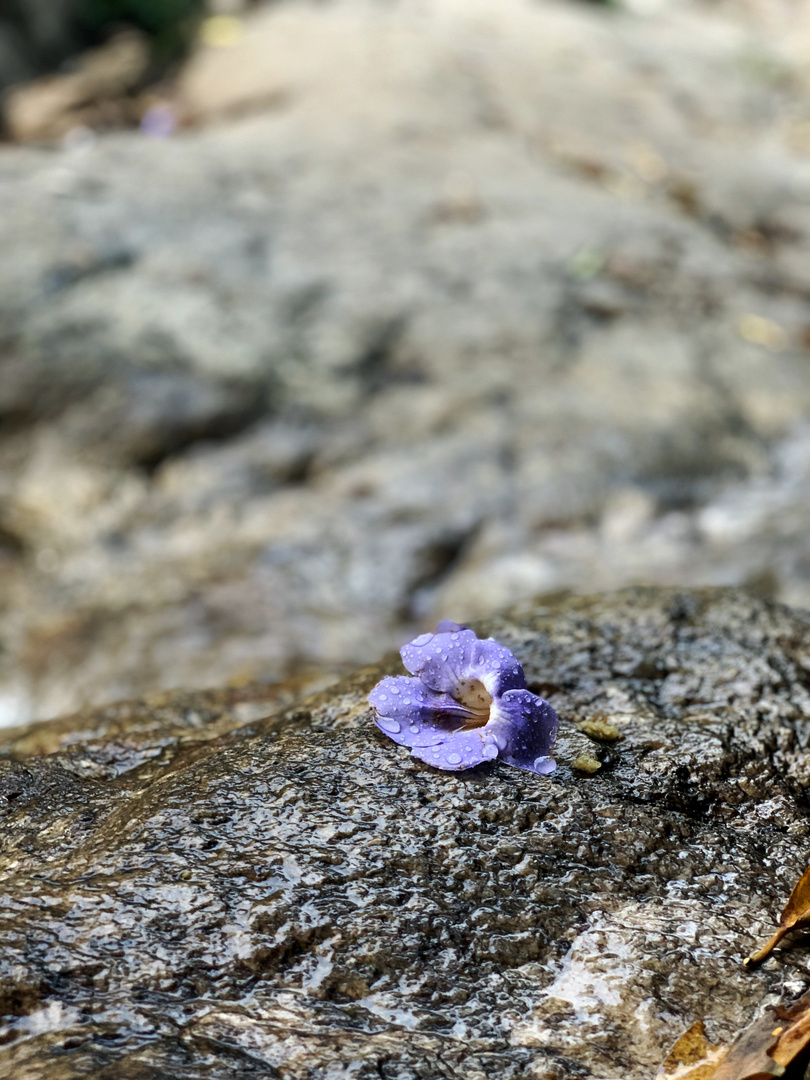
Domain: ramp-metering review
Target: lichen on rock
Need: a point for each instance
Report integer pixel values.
(292, 895)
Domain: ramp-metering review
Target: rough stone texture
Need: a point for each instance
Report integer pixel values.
(447, 314)
(299, 898)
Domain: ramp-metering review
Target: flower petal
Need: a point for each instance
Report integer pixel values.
(529, 727)
(446, 662)
(412, 714)
(459, 750)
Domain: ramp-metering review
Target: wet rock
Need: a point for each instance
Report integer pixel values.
(224, 885)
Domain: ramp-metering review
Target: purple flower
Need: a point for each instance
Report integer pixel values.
(468, 703)
(159, 121)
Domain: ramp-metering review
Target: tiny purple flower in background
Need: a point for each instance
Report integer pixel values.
(159, 121)
(467, 703)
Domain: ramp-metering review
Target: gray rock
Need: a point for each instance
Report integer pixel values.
(489, 298)
(297, 897)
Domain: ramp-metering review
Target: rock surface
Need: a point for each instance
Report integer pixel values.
(465, 302)
(297, 897)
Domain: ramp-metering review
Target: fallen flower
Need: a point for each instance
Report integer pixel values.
(796, 916)
(467, 703)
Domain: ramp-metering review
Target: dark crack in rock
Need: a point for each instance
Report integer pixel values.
(297, 897)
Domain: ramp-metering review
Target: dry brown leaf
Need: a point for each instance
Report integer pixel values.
(796, 916)
(762, 1052)
(749, 1058)
(692, 1057)
(793, 1031)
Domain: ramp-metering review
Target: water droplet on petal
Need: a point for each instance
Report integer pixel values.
(394, 689)
(490, 751)
(454, 637)
(423, 639)
(387, 724)
(414, 729)
(454, 759)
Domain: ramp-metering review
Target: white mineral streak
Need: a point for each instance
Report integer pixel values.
(54, 1017)
(598, 984)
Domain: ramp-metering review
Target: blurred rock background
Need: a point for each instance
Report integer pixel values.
(321, 320)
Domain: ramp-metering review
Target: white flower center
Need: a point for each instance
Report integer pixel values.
(476, 699)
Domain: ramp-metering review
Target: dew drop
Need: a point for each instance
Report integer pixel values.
(454, 637)
(423, 639)
(454, 759)
(387, 724)
(394, 689)
(414, 729)
(490, 751)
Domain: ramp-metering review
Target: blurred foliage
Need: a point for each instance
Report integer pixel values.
(169, 22)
